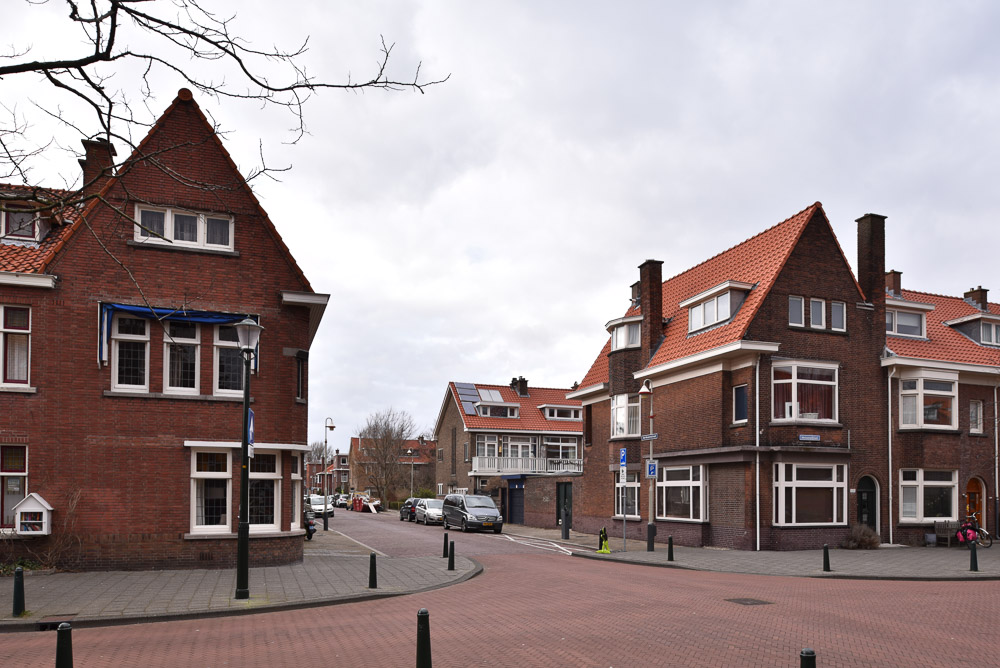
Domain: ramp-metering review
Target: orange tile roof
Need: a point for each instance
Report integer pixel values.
(531, 417)
(945, 343)
(30, 258)
(757, 261)
(423, 454)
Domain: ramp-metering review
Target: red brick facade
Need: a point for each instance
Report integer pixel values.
(127, 457)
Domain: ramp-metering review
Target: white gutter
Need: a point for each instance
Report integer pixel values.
(756, 418)
(20, 279)
(584, 391)
(751, 346)
(936, 364)
(889, 482)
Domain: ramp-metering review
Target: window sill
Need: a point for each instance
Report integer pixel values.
(930, 522)
(253, 534)
(183, 397)
(807, 423)
(818, 330)
(931, 430)
(741, 423)
(627, 517)
(184, 249)
(685, 520)
(300, 400)
(627, 437)
(18, 389)
(814, 525)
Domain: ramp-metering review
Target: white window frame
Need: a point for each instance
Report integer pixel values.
(566, 446)
(22, 476)
(993, 339)
(168, 341)
(552, 413)
(893, 327)
(141, 235)
(975, 416)
(913, 484)
(629, 488)
(800, 312)
(710, 312)
(296, 476)
(795, 382)
(695, 484)
(276, 477)
(35, 226)
(625, 414)
(116, 339)
(782, 483)
(484, 444)
(914, 390)
(197, 476)
(840, 307)
(626, 335)
(218, 343)
(817, 306)
(746, 407)
(521, 443)
(483, 483)
(5, 335)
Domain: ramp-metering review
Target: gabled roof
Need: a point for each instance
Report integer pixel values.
(425, 453)
(530, 418)
(757, 261)
(945, 343)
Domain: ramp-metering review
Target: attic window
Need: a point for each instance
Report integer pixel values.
(991, 333)
(625, 336)
(904, 323)
(19, 224)
(497, 411)
(560, 413)
(709, 312)
(183, 229)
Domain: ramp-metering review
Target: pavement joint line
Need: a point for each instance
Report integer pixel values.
(372, 549)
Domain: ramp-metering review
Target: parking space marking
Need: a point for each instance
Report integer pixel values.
(536, 543)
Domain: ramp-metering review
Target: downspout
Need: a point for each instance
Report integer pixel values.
(756, 418)
(889, 481)
(996, 466)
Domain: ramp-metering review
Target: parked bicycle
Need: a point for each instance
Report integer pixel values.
(971, 532)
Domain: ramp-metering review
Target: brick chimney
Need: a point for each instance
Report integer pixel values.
(977, 298)
(520, 386)
(651, 302)
(97, 163)
(871, 257)
(894, 282)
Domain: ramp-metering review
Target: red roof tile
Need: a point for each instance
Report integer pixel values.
(531, 417)
(31, 258)
(757, 261)
(945, 343)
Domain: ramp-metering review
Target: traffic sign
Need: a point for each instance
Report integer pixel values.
(650, 437)
(651, 468)
(623, 463)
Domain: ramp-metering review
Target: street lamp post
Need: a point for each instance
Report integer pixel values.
(409, 453)
(326, 477)
(248, 334)
(647, 389)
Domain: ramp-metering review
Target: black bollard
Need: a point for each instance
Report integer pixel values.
(650, 534)
(807, 658)
(826, 558)
(451, 556)
(670, 548)
(565, 525)
(423, 638)
(973, 558)
(64, 646)
(372, 573)
(444, 552)
(18, 591)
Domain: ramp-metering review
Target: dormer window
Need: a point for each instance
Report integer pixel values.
(625, 333)
(19, 224)
(904, 323)
(183, 229)
(716, 305)
(497, 411)
(991, 333)
(562, 413)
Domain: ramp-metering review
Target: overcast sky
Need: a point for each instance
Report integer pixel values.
(489, 228)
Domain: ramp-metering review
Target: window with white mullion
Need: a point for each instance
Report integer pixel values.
(182, 228)
(296, 490)
(130, 354)
(927, 403)
(810, 494)
(181, 355)
(486, 445)
(627, 495)
(976, 416)
(709, 312)
(228, 361)
(990, 333)
(625, 415)
(927, 496)
(904, 323)
(15, 345)
(804, 391)
(560, 447)
(211, 491)
(625, 336)
(682, 493)
(265, 492)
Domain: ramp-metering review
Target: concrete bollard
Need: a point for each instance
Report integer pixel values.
(451, 556)
(444, 552)
(423, 638)
(372, 573)
(807, 658)
(670, 548)
(64, 646)
(826, 558)
(973, 558)
(18, 591)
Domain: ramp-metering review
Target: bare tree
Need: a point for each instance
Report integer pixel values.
(381, 455)
(318, 450)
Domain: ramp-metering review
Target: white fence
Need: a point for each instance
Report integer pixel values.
(506, 465)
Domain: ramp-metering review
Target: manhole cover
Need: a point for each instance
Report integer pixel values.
(749, 601)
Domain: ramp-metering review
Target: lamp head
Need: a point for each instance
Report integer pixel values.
(248, 333)
(647, 387)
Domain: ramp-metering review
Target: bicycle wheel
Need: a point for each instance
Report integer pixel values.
(985, 540)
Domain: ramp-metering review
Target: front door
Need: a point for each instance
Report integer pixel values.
(515, 504)
(868, 502)
(974, 500)
(564, 499)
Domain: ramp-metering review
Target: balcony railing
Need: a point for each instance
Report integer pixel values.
(537, 465)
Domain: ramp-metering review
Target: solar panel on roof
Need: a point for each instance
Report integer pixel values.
(465, 386)
(496, 395)
(468, 408)
(485, 395)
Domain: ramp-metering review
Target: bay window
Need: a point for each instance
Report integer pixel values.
(928, 495)
(228, 361)
(627, 495)
(211, 491)
(180, 358)
(682, 493)
(804, 391)
(130, 354)
(265, 492)
(810, 494)
(625, 415)
(15, 344)
(625, 336)
(296, 490)
(927, 403)
(13, 481)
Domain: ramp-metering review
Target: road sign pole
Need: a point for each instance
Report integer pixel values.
(623, 478)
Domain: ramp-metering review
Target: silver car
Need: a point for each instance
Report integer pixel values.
(315, 501)
(429, 511)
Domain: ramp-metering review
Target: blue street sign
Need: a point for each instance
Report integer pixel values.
(651, 468)
(622, 452)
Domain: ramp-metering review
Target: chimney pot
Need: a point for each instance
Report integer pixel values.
(98, 164)
(894, 282)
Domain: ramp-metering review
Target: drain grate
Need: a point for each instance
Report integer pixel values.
(749, 601)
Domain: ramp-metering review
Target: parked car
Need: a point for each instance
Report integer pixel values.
(408, 511)
(429, 511)
(471, 512)
(315, 502)
(340, 500)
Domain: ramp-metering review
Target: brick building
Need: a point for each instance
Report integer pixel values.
(518, 444)
(415, 457)
(122, 384)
